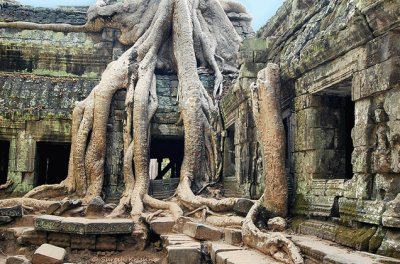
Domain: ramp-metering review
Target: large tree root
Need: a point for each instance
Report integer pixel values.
(273, 244)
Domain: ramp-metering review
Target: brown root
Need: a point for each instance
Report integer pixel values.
(276, 245)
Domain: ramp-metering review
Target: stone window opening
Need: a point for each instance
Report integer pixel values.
(51, 162)
(229, 166)
(4, 159)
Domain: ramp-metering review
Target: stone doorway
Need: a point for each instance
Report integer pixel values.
(337, 117)
(4, 157)
(51, 162)
(166, 157)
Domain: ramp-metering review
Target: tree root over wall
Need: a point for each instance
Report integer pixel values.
(175, 36)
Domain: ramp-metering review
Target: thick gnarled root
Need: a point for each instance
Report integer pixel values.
(274, 244)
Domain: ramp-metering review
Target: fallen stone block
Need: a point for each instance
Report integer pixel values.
(202, 232)
(233, 236)
(17, 260)
(162, 225)
(277, 224)
(49, 254)
(243, 206)
(95, 207)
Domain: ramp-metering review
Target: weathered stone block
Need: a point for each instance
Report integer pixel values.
(162, 225)
(385, 78)
(73, 225)
(243, 257)
(361, 160)
(243, 206)
(109, 226)
(361, 211)
(216, 248)
(359, 187)
(202, 232)
(391, 217)
(180, 223)
(126, 242)
(362, 135)
(48, 223)
(355, 238)
(49, 254)
(15, 211)
(277, 224)
(391, 244)
(187, 253)
(17, 260)
(233, 236)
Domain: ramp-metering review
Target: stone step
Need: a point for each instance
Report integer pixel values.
(222, 253)
(182, 249)
(83, 226)
(321, 251)
(162, 225)
(202, 232)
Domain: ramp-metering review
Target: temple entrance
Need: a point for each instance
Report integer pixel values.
(166, 157)
(51, 162)
(4, 154)
(337, 119)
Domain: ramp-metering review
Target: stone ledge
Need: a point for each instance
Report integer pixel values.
(326, 252)
(83, 226)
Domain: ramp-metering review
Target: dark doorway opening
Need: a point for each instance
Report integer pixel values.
(166, 157)
(4, 157)
(51, 162)
(229, 168)
(167, 153)
(336, 115)
(347, 124)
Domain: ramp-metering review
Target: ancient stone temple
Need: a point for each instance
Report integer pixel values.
(329, 71)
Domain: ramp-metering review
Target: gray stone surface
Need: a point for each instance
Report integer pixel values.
(202, 231)
(277, 224)
(19, 259)
(233, 236)
(182, 249)
(49, 254)
(13, 212)
(162, 225)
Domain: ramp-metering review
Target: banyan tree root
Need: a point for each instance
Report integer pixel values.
(271, 135)
(273, 244)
